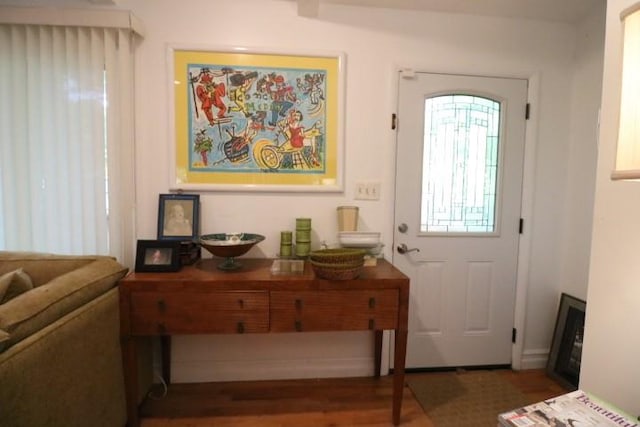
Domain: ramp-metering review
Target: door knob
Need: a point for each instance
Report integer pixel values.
(403, 228)
(403, 249)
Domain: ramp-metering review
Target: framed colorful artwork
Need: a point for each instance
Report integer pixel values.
(256, 120)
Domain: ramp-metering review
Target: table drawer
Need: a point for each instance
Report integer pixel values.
(334, 310)
(159, 313)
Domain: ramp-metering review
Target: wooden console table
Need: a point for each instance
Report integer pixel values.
(200, 299)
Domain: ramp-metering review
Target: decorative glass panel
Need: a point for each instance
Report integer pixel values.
(460, 164)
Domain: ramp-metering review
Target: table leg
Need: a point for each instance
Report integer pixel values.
(130, 366)
(165, 348)
(377, 352)
(400, 350)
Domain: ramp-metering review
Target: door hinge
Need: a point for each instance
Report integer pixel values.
(527, 111)
(393, 121)
(521, 226)
(514, 334)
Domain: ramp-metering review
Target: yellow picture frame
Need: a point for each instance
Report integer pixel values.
(256, 120)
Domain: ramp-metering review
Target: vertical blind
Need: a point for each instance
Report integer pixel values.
(66, 139)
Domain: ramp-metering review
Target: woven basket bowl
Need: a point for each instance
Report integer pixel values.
(337, 271)
(338, 256)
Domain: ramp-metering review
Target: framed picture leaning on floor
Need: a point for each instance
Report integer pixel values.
(566, 348)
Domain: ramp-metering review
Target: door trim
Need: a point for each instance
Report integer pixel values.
(528, 192)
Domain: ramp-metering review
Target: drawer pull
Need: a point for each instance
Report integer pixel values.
(162, 306)
(299, 304)
(372, 324)
(241, 327)
(372, 302)
(298, 326)
(241, 303)
(162, 329)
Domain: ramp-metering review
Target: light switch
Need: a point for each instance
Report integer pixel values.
(367, 190)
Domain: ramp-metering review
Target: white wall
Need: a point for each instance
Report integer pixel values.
(612, 342)
(376, 42)
(561, 238)
(583, 152)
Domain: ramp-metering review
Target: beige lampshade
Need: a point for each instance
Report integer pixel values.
(628, 150)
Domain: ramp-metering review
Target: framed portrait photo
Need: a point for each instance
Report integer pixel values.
(256, 119)
(158, 256)
(178, 217)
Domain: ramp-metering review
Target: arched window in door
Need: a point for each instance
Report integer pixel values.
(460, 165)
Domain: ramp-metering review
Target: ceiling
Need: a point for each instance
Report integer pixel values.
(570, 11)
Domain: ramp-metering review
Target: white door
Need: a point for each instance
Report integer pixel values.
(460, 153)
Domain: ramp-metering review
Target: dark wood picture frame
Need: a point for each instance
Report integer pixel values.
(566, 347)
(179, 217)
(158, 256)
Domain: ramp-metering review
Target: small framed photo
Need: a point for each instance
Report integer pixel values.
(158, 256)
(179, 217)
(566, 348)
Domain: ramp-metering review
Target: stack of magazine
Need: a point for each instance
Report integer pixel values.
(569, 410)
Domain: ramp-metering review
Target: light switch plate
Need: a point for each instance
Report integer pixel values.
(369, 190)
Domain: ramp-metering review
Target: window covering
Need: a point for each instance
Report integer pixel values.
(67, 138)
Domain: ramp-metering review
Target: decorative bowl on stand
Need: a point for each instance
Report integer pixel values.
(229, 246)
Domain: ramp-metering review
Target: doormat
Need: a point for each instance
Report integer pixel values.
(467, 398)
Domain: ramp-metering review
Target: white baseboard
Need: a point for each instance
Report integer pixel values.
(534, 359)
(212, 371)
(238, 357)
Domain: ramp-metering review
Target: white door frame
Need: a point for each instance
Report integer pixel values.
(519, 360)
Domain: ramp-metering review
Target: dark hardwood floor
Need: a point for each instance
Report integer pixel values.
(534, 383)
(297, 403)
